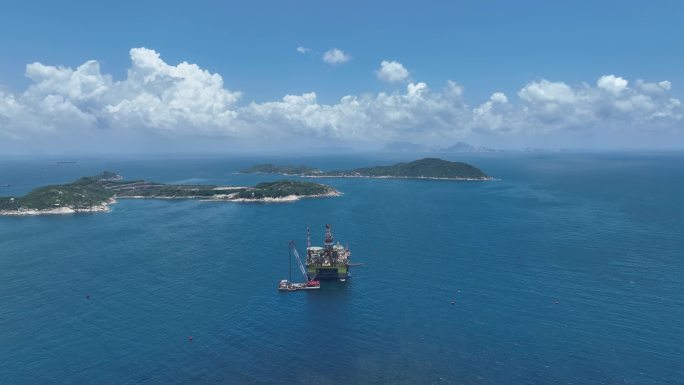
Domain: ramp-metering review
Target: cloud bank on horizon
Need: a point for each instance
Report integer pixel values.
(185, 100)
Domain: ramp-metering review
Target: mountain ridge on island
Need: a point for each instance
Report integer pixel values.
(96, 193)
(426, 168)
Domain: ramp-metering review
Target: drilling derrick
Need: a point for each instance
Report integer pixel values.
(328, 262)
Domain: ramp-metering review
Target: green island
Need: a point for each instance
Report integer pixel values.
(269, 168)
(427, 168)
(96, 193)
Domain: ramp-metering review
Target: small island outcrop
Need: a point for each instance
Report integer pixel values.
(269, 168)
(96, 193)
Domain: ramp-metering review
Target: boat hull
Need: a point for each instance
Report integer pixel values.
(286, 285)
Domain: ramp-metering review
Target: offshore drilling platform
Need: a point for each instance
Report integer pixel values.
(328, 262)
(322, 263)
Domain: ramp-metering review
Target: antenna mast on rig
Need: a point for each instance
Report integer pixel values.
(328, 238)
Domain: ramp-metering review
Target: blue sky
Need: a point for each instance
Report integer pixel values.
(483, 47)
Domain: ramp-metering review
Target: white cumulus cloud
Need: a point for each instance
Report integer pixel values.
(156, 94)
(184, 100)
(301, 49)
(612, 83)
(493, 115)
(499, 97)
(556, 105)
(364, 117)
(336, 56)
(545, 91)
(392, 72)
(654, 88)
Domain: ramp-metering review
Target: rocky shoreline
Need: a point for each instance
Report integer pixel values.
(101, 208)
(288, 198)
(104, 207)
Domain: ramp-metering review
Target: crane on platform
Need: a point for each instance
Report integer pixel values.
(288, 285)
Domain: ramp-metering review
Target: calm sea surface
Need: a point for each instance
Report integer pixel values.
(567, 270)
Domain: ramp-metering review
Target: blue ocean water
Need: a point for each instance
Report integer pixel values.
(567, 270)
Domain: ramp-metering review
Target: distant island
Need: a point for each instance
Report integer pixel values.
(410, 147)
(428, 168)
(465, 147)
(269, 168)
(96, 193)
